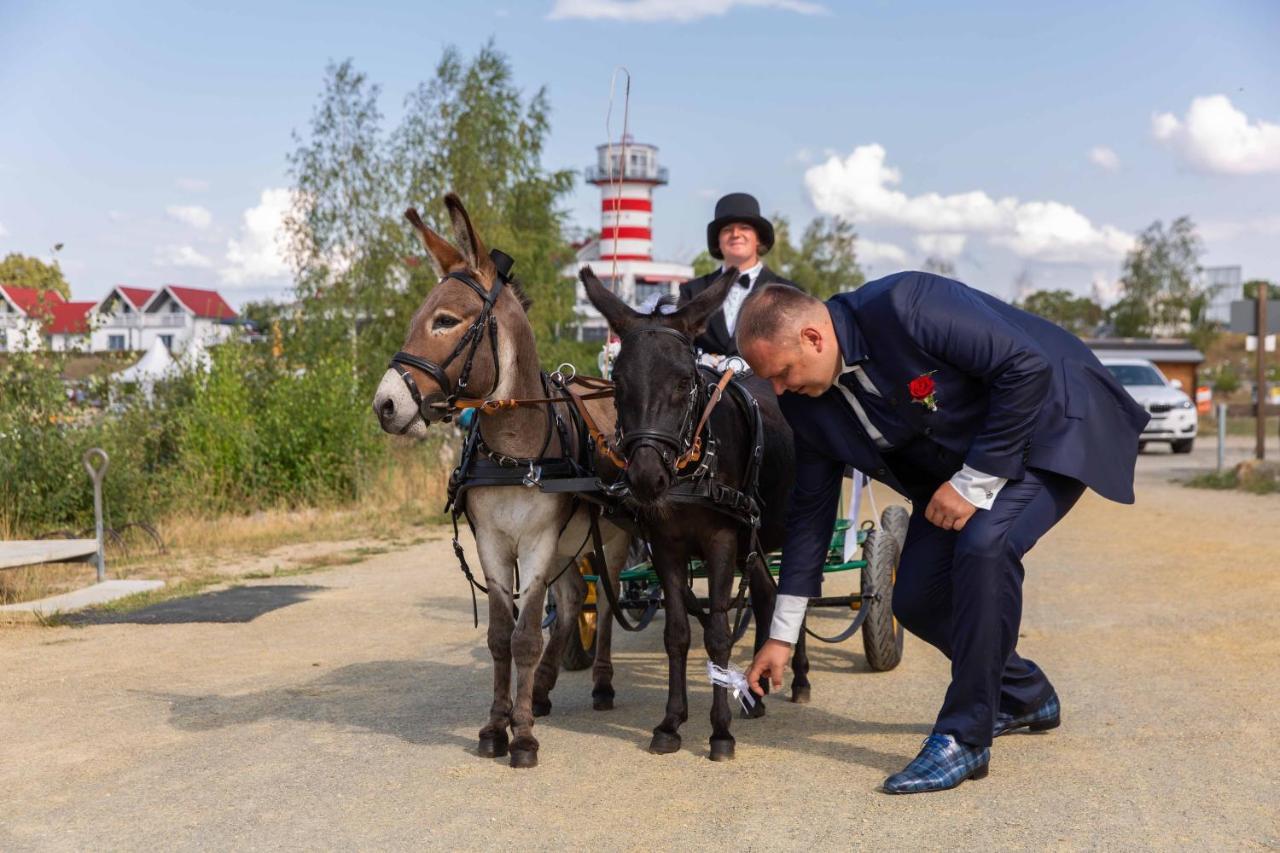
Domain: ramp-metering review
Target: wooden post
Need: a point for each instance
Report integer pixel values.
(1261, 385)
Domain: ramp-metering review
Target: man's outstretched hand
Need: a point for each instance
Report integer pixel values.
(770, 662)
(948, 510)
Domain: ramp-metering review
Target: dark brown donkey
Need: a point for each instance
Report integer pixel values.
(660, 395)
(513, 524)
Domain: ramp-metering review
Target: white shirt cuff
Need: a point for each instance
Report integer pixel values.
(788, 618)
(976, 487)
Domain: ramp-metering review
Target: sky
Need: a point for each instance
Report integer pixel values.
(1026, 142)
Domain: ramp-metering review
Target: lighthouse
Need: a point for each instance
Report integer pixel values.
(626, 173)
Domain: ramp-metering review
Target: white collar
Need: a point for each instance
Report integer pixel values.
(752, 273)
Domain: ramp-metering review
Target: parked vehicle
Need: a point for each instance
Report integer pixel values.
(1173, 414)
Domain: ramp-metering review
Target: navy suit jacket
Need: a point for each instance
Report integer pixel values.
(1013, 390)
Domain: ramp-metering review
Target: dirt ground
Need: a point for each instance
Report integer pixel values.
(339, 709)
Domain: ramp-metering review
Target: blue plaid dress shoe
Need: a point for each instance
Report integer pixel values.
(943, 763)
(1047, 716)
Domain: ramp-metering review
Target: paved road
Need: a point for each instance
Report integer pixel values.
(339, 710)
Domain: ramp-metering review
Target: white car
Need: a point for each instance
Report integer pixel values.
(1173, 415)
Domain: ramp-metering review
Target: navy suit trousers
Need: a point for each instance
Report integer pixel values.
(962, 593)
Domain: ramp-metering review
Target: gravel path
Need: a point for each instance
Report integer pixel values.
(339, 710)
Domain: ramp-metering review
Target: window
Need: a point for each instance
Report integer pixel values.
(167, 340)
(175, 308)
(115, 343)
(1135, 374)
(592, 334)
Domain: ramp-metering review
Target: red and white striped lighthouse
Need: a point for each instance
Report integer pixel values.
(626, 174)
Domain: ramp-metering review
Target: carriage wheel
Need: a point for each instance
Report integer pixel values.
(580, 648)
(881, 634)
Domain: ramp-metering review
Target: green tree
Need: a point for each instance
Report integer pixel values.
(1160, 285)
(469, 129)
(1079, 315)
(1251, 289)
(826, 261)
(703, 263)
(26, 271)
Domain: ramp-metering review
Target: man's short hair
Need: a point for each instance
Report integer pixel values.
(771, 310)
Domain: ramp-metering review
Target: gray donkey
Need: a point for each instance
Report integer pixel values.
(540, 532)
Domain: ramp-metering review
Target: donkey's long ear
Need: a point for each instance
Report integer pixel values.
(443, 256)
(473, 250)
(619, 314)
(697, 312)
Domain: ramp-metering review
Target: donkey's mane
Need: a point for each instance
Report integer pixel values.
(518, 289)
(663, 302)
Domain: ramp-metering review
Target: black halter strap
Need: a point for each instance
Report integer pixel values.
(667, 444)
(469, 342)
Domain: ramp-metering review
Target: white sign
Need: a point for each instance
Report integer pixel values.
(1251, 343)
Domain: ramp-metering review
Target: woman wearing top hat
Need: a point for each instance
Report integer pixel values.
(737, 236)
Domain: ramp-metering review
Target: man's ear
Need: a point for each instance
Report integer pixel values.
(619, 314)
(696, 313)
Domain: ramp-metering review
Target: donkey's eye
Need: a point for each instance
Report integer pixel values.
(444, 321)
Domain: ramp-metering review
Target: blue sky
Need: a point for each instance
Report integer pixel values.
(1017, 138)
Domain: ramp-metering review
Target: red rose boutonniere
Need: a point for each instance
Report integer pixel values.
(922, 390)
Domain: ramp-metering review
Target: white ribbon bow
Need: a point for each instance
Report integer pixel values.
(733, 679)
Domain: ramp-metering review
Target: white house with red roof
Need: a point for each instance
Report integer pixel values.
(131, 318)
(127, 318)
(24, 313)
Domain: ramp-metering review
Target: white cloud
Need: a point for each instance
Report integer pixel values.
(647, 11)
(1216, 137)
(861, 187)
(181, 256)
(4, 232)
(190, 214)
(1266, 226)
(873, 252)
(115, 215)
(1105, 158)
(1106, 289)
(941, 245)
(258, 253)
(192, 185)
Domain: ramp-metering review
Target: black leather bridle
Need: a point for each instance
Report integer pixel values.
(469, 342)
(669, 445)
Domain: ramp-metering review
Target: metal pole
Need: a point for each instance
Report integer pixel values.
(1261, 450)
(97, 474)
(1222, 435)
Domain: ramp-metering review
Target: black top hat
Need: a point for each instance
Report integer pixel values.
(738, 207)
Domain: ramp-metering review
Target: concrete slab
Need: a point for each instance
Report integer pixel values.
(28, 552)
(99, 593)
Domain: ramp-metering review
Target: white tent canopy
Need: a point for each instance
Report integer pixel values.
(155, 365)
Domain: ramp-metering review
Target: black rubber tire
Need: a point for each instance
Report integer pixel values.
(1183, 445)
(576, 656)
(881, 634)
(895, 520)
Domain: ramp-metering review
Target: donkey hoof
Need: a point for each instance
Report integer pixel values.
(493, 744)
(664, 743)
(800, 694)
(524, 753)
(541, 707)
(602, 699)
(757, 710)
(722, 750)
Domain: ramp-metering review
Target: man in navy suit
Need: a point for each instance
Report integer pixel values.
(993, 422)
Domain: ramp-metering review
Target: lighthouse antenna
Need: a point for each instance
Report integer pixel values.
(622, 160)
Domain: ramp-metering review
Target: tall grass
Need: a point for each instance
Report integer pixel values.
(252, 433)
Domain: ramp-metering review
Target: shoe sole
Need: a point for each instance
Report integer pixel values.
(1040, 726)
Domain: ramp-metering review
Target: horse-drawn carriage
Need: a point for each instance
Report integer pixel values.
(870, 604)
(556, 465)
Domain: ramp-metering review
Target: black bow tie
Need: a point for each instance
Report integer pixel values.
(745, 281)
